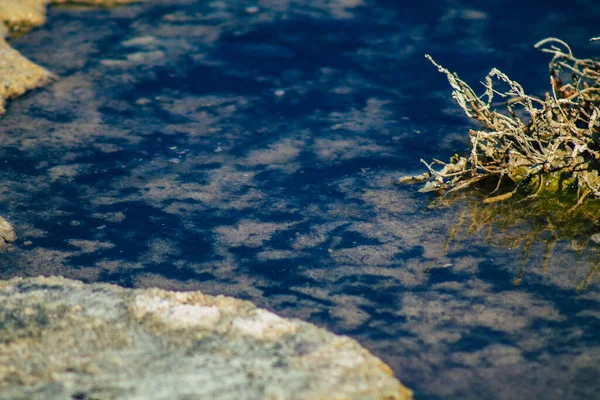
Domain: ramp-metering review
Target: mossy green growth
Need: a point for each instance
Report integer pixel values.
(555, 182)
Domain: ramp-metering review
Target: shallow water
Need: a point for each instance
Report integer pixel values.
(250, 149)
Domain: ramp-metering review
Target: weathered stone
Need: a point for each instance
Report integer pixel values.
(26, 14)
(64, 339)
(17, 73)
(7, 231)
(23, 14)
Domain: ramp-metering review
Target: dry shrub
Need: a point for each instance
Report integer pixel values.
(543, 145)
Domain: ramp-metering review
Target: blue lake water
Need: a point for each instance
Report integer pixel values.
(250, 149)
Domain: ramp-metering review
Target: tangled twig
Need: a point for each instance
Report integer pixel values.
(555, 139)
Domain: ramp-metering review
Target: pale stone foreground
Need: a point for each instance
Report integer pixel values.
(63, 339)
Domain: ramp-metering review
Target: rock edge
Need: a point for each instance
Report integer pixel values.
(61, 338)
(17, 73)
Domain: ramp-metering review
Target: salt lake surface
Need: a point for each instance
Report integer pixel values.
(250, 149)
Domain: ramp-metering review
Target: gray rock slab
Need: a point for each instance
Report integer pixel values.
(63, 339)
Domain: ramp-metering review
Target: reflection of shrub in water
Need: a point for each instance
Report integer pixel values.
(533, 168)
(521, 222)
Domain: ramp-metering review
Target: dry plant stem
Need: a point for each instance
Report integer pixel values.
(555, 136)
(589, 276)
